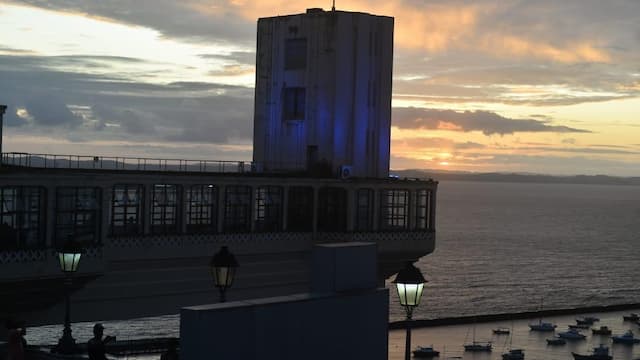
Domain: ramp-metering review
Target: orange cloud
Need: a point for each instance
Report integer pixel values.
(432, 27)
(511, 45)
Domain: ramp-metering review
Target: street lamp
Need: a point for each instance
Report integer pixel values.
(69, 257)
(409, 283)
(223, 269)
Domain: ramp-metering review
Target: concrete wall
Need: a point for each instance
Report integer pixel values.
(346, 317)
(348, 92)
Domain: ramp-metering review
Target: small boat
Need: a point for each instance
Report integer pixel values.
(626, 338)
(571, 334)
(599, 353)
(556, 341)
(478, 347)
(579, 326)
(631, 317)
(514, 354)
(589, 320)
(542, 326)
(425, 352)
(604, 330)
(502, 331)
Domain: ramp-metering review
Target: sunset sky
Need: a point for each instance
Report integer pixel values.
(542, 86)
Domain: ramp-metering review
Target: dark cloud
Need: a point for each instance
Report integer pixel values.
(488, 122)
(51, 111)
(188, 20)
(501, 82)
(113, 108)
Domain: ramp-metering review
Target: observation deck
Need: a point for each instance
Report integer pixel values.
(151, 226)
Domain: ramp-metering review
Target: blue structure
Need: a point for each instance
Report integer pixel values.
(323, 93)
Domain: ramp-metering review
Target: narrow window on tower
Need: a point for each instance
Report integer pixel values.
(294, 103)
(295, 54)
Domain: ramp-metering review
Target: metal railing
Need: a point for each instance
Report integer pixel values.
(56, 161)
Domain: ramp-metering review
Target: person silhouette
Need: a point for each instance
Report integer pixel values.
(96, 346)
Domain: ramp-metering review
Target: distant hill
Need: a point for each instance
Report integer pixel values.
(515, 177)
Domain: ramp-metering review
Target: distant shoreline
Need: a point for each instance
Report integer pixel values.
(518, 178)
(393, 325)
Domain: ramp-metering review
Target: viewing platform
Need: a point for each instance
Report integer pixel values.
(149, 232)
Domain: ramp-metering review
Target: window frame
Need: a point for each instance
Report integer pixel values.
(137, 209)
(202, 216)
(162, 221)
(394, 209)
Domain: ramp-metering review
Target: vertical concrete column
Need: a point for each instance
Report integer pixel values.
(285, 207)
(50, 216)
(182, 207)
(412, 209)
(252, 208)
(432, 210)
(147, 202)
(105, 213)
(314, 225)
(221, 202)
(376, 209)
(351, 208)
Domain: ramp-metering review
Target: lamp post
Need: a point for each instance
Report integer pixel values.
(223, 269)
(69, 257)
(409, 283)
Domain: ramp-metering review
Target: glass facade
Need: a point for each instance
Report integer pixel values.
(202, 209)
(126, 210)
(300, 209)
(78, 215)
(394, 209)
(165, 200)
(332, 209)
(268, 208)
(237, 209)
(22, 217)
(423, 213)
(364, 210)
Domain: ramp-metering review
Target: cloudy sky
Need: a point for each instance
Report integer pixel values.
(542, 86)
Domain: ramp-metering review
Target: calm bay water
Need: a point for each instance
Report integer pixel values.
(501, 247)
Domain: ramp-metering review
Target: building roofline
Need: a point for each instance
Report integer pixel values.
(322, 12)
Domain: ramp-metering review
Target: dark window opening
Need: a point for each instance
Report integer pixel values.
(126, 210)
(22, 217)
(165, 209)
(237, 209)
(300, 209)
(295, 54)
(332, 209)
(202, 209)
(364, 210)
(294, 103)
(77, 215)
(268, 208)
(394, 209)
(423, 201)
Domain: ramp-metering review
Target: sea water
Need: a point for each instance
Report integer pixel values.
(501, 247)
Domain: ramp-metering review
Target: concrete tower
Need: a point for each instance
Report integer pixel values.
(323, 93)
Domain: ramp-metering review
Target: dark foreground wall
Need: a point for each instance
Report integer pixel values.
(346, 317)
